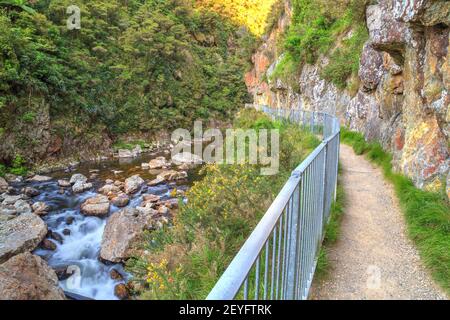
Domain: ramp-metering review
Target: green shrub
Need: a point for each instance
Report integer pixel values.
(28, 117)
(344, 61)
(2, 170)
(18, 166)
(317, 27)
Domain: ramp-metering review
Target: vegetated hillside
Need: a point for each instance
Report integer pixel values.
(133, 67)
(381, 66)
(250, 13)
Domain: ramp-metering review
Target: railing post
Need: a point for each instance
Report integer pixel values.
(324, 188)
(292, 246)
(338, 146)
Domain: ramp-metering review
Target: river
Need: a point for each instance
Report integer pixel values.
(81, 235)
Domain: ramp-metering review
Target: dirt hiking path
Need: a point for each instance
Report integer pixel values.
(373, 258)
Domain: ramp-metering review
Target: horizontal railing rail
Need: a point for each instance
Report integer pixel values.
(279, 258)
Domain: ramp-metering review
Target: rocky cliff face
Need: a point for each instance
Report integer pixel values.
(403, 97)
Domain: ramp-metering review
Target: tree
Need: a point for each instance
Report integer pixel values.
(22, 4)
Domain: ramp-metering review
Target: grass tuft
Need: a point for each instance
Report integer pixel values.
(332, 232)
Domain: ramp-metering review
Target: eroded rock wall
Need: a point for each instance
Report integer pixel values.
(403, 97)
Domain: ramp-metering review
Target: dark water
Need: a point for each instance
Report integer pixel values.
(81, 248)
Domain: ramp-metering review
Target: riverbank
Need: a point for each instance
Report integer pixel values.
(81, 223)
(185, 261)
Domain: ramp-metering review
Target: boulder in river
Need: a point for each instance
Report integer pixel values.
(96, 206)
(115, 275)
(55, 236)
(48, 245)
(163, 210)
(11, 207)
(64, 183)
(11, 178)
(80, 187)
(158, 163)
(62, 273)
(78, 177)
(21, 234)
(8, 199)
(124, 153)
(22, 207)
(40, 208)
(186, 158)
(155, 182)
(3, 185)
(120, 200)
(170, 175)
(28, 277)
(123, 229)
(121, 291)
(70, 220)
(31, 192)
(38, 178)
(133, 183)
(108, 189)
(151, 198)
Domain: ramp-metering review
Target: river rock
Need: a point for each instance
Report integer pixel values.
(158, 163)
(121, 291)
(64, 183)
(163, 210)
(132, 184)
(109, 189)
(151, 198)
(66, 232)
(12, 199)
(48, 245)
(171, 203)
(40, 208)
(21, 234)
(78, 177)
(170, 175)
(3, 185)
(55, 236)
(62, 273)
(22, 207)
(70, 220)
(120, 200)
(28, 277)
(80, 187)
(31, 192)
(123, 229)
(147, 209)
(13, 178)
(155, 182)
(109, 181)
(125, 153)
(115, 275)
(38, 178)
(186, 158)
(96, 206)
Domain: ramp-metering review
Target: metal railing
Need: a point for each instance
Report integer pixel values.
(279, 258)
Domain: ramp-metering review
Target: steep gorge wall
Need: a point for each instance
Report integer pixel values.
(403, 96)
